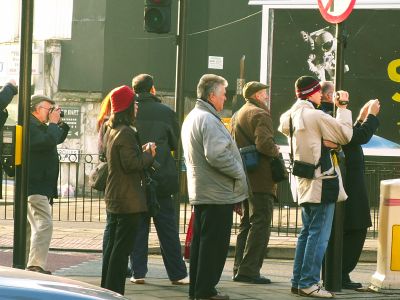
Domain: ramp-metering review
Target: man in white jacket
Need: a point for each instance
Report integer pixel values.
(216, 181)
(308, 131)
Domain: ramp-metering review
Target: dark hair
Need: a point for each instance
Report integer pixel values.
(125, 117)
(142, 83)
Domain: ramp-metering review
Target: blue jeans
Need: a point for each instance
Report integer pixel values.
(168, 235)
(312, 243)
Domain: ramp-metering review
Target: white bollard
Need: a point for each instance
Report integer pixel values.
(387, 275)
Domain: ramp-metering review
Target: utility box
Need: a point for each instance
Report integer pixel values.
(387, 275)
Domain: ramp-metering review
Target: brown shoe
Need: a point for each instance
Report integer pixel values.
(38, 269)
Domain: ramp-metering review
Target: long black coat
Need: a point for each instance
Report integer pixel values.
(157, 123)
(357, 211)
(43, 156)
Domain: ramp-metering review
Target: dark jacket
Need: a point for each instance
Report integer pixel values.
(125, 187)
(157, 123)
(357, 211)
(6, 95)
(256, 124)
(43, 156)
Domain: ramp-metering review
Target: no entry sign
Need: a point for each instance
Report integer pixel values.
(335, 11)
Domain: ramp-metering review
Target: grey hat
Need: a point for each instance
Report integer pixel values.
(36, 99)
(252, 87)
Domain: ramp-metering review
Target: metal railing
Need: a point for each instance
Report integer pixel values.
(78, 202)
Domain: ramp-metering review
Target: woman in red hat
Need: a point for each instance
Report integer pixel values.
(125, 194)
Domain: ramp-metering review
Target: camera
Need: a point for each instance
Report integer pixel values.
(336, 96)
(61, 111)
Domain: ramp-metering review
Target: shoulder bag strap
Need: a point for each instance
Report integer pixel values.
(291, 139)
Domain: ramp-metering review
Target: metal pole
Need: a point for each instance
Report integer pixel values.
(21, 170)
(179, 92)
(333, 257)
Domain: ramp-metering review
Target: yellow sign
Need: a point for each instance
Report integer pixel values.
(394, 75)
(18, 145)
(395, 261)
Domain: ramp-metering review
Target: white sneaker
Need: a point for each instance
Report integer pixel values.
(137, 280)
(183, 281)
(315, 291)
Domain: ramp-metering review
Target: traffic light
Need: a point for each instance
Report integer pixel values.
(157, 16)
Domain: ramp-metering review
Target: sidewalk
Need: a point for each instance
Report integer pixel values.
(88, 237)
(158, 287)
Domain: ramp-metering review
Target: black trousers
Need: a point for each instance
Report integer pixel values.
(353, 243)
(210, 244)
(121, 232)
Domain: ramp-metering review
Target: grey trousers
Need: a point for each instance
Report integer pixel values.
(254, 233)
(39, 230)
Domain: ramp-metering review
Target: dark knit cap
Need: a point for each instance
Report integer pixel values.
(252, 87)
(121, 98)
(306, 86)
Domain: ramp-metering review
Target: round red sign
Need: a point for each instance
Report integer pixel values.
(335, 11)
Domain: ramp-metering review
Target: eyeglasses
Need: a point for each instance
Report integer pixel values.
(49, 109)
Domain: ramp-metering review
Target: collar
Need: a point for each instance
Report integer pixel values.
(36, 120)
(147, 97)
(256, 103)
(316, 106)
(206, 100)
(206, 105)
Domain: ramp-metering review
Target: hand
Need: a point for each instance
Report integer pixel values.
(13, 82)
(342, 96)
(150, 148)
(330, 144)
(363, 112)
(237, 208)
(374, 107)
(54, 115)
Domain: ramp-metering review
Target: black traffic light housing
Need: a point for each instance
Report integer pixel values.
(157, 16)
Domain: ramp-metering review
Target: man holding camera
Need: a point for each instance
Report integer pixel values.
(357, 211)
(317, 177)
(252, 125)
(46, 131)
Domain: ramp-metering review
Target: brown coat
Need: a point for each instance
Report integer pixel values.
(256, 123)
(125, 189)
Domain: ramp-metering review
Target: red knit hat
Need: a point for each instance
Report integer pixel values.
(121, 97)
(306, 86)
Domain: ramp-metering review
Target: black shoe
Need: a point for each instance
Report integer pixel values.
(254, 280)
(351, 285)
(294, 290)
